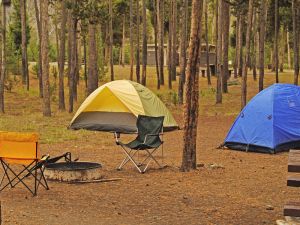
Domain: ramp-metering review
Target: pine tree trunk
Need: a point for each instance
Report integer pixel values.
(85, 61)
(191, 108)
(174, 40)
(45, 60)
(288, 47)
(219, 54)
(61, 64)
(262, 34)
(246, 63)
(160, 26)
(138, 79)
(155, 43)
(123, 42)
(253, 61)
(240, 47)
(92, 83)
(236, 45)
(225, 44)
(25, 74)
(276, 41)
(111, 60)
(296, 40)
(72, 59)
(3, 57)
(206, 42)
(170, 48)
(131, 39)
(39, 29)
(144, 50)
(183, 49)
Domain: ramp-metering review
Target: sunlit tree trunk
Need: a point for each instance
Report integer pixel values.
(39, 29)
(174, 39)
(160, 30)
(111, 60)
(61, 64)
(155, 43)
(246, 63)
(236, 45)
(3, 57)
(183, 49)
(189, 160)
(92, 63)
(219, 53)
(25, 74)
(262, 34)
(296, 40)
(131, 39)
(225, 44)
(45, 60)
(206, 42)
(288, 47)
(144, 50)
(276, 41)
(170, 48)
(138, 79)
(240, 46)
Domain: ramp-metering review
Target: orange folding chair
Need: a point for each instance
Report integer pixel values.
(20, 159)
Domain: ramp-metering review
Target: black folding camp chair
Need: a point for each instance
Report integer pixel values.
(148, 140)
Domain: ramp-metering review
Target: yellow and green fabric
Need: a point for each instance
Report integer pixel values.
(116, 105)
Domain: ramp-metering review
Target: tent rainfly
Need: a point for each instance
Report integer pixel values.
(270, 122)
(115, 106)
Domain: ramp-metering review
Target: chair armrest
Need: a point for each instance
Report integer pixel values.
(147, 135)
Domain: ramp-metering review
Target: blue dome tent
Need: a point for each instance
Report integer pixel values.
(270, 122)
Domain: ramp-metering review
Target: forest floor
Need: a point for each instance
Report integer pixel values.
(245, 188)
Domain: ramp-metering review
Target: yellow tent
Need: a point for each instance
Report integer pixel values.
(115, 106)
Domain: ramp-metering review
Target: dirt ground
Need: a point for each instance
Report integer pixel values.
(241, 191)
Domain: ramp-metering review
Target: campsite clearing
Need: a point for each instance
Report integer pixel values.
(240, 190)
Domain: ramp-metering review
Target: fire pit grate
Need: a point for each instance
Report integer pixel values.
(67, 166)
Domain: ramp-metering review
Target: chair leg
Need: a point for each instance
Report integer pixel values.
(126, 159)
(131, 159)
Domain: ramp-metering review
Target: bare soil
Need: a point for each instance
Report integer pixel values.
(239, 191)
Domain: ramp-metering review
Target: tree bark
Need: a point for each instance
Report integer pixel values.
(144, 50)
(276, 41)
(206, 42)
(170, 48)
(25, 74)
(160, 23)
(45, 60)
(155, 43)
(174, 40)
(138, 79)
(240, 46)
(219, 53)
(236, 45)
(296, 40)
(225, 44)
(262, 34)
(189, 160)
(3, 57)
(72, 60)
(85, 61)
(39, 29)
(61, 64)
(246, 63)
(111, 60)
(123, 42)
(254, 47)
(183, 47)
(92, 82)
(288, 47)
(131, 39)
